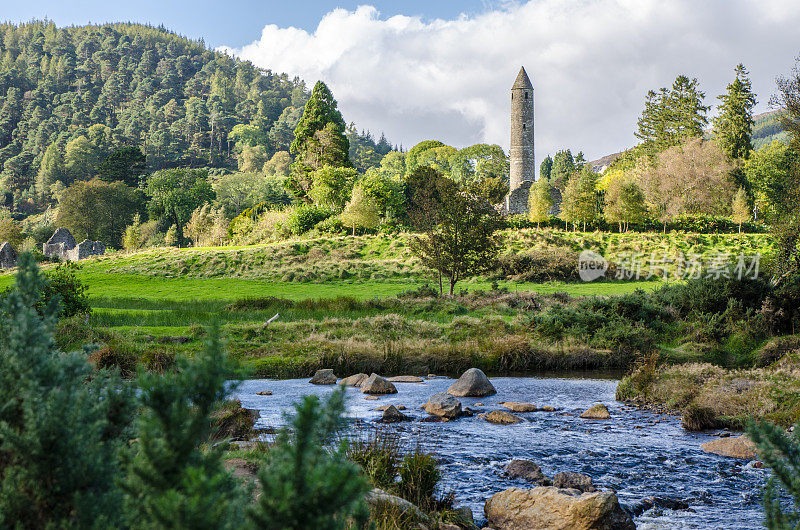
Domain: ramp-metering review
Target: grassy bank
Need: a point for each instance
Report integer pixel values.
(722, 397)
(356, 304)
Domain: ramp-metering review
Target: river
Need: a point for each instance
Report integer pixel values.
(636, 453)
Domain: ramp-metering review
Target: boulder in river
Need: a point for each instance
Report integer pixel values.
(501, 417)
(354, 380)
(264, 393)
(392, 415)
(405, 379)
(384, 407)
(323, 377)
(597, 411)
(443, 405)
(578, 481)
(549, 508)
(376, 384)
(525, 469)
(514, 406)
(472, 383)
(734, 447)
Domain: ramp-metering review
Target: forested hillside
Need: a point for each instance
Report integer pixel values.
(71, 98)
(766, 128)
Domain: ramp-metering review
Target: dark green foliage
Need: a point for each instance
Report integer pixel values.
(150, 88)
(306, 482)
(62, 425)
(696, 418)
(99, 211)
(627, 323)
(126, 164)
(173, 482)
(419, 474)
(305, 217)
(670, 116)
(545, 168)
(176, 193)
(319, 140)
(62, 282)
(780, 451)
(459, 239)
(734, 124)
(710, 295)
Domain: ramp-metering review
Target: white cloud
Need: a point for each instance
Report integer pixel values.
(591, 63)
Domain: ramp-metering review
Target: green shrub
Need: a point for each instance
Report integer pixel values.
(331, 225)
(63, 427)
(71, 292)
(710, 295)
(174, 481)
(780, 451)
(541, 265)
(303, 218)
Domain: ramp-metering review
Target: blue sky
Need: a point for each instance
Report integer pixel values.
(227, 22)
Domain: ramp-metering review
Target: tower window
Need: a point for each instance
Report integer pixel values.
(523, 126)
(526, 95)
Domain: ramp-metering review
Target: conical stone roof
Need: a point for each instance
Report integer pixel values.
(522, 80)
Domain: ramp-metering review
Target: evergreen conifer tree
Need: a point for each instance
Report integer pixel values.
(780, 451)
(173, 481)
(734, 124)
(319, 139)
(62, 425)
(307, 482)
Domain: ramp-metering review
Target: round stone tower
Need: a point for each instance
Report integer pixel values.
(521, 154)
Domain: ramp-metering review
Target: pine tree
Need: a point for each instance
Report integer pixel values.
(780, 451)
(320, 110)
(733, 126)
(545, 168)
(687, 112)
(319, 139)
(174, 481)
(307, 481)
(51, 170)
(63, 425)
(540, 201)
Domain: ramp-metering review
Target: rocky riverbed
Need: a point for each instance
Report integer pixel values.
(637, 454)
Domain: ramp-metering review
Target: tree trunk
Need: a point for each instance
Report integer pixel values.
(452, 284)
(441, 289)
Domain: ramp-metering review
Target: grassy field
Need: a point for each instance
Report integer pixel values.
(342, 304)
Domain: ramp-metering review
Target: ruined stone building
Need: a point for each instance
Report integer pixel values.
(521, 154)
(62, 246)
(8, 256)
